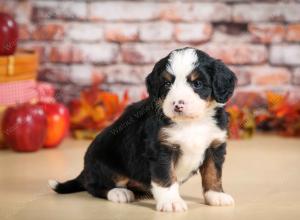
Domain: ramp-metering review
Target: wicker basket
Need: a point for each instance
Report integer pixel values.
(21, 66)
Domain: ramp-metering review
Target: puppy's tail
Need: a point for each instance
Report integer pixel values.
(70, 186)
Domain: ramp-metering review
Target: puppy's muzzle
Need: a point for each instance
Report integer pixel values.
(178, 106)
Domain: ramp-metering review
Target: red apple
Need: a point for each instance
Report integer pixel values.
(8, 34)
(24, 127)
(58, 122)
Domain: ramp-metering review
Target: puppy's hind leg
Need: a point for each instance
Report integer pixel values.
(139, 190)
(107, 187)
(114, 194)
(120, 195)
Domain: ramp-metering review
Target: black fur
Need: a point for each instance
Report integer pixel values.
(155, 82)
(218, 156)
(71, 186)
(131, 146)
(223, 83)
(222, 118)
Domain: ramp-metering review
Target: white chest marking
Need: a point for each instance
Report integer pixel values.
(193, 138)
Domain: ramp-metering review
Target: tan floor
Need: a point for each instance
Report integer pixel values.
(262, 174)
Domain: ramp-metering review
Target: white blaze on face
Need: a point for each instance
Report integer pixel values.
(181, 64)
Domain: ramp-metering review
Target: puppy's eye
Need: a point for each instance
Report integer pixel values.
(167, 83)
(197, 84)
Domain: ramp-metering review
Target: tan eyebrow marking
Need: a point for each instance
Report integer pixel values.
(193, 76)
(167, 76)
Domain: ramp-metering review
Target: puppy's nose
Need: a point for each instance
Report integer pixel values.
(178, 106)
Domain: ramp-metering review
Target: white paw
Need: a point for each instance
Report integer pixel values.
(218, 198)
(177, 205)
(120, 195)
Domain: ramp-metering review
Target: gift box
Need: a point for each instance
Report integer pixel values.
(17, 92)
(21, 66)
(17, 78)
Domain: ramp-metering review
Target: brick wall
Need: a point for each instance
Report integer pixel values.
(79, 41)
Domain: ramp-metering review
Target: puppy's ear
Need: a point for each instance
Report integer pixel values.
(223, 83)
(153, 80)
(150, 84)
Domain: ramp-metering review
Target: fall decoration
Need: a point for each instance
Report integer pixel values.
(94, 110)
(281, 115)
(276, 113)
(242, 123)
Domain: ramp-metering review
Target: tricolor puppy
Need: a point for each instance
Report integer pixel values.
(159, 143)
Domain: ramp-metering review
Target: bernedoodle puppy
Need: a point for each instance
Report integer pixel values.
(158, 143)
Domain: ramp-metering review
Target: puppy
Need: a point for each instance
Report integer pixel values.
(158, 143)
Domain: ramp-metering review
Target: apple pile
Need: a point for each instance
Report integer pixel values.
(29, 127)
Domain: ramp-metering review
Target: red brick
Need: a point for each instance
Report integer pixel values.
(221, 36)
(285, 54)
(242, 74)
(97, 53)
(69, 10)
(64, 54)
(54, 73)
(294, 94)
(20, 10)
(293, 33)
(61, 54)
(124, 74)
(181, 11)
(67, 92)
(24, 32)
(267, 33)
(8, 6)
(237, 53)
(193, 32)
(121, 32)
(145, 53)
(81, 75)
(291, 11)
(85, 32)
(123, 11)
(296, 76)
(101, 53)
(257, 12)
(156, 31)
(272, 76)
(48, 32)
(23, 12)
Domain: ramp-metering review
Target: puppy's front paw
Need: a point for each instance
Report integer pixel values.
(120, 195)
(177, 205)
(218, 198)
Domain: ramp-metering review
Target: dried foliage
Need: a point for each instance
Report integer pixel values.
(276, 113)
(94, 110)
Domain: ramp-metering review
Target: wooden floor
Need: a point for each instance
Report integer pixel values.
(262, 174)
